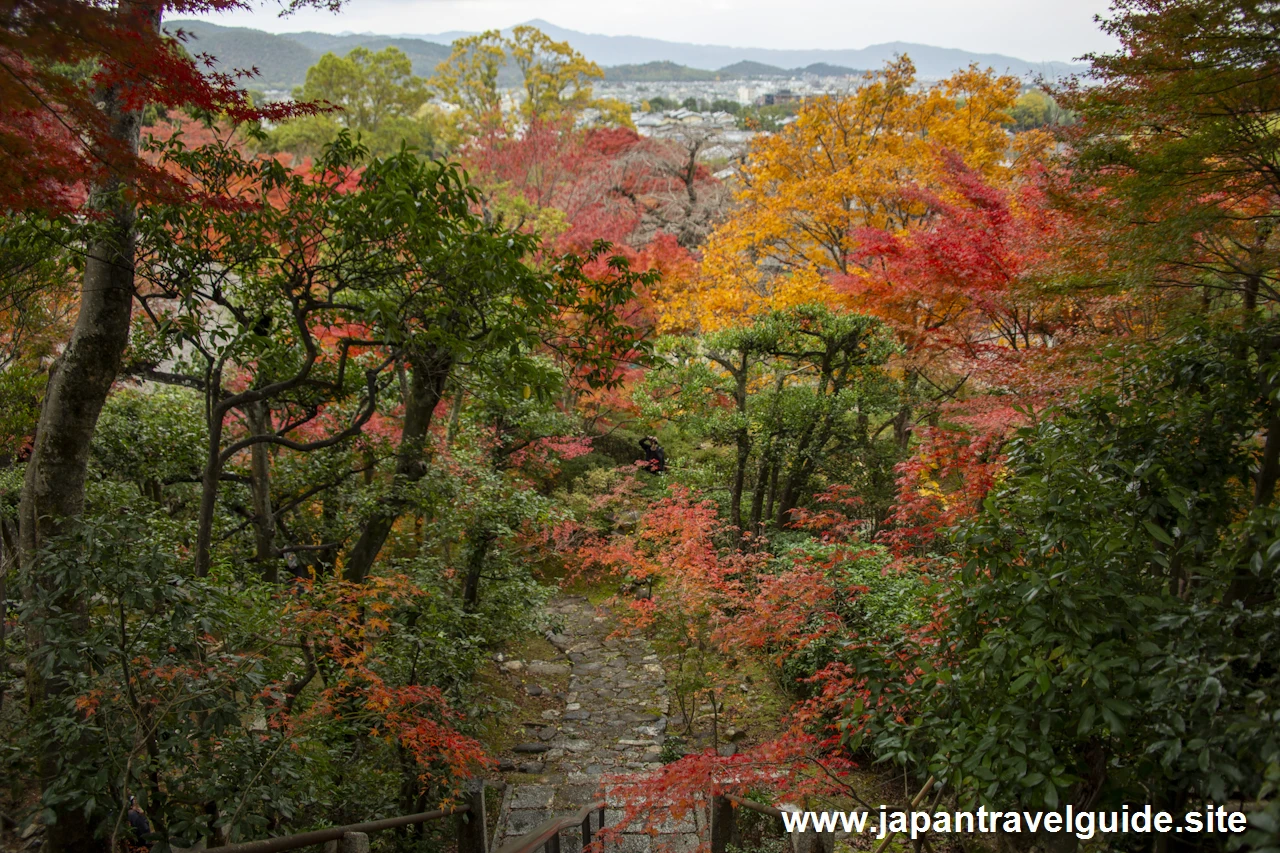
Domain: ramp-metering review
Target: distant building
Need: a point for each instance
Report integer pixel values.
(782, 96)
(672, 123)
(717, 132)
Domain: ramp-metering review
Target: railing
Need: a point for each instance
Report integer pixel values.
(724, 824)
(547, 835)
(469, 815)
(724, 819)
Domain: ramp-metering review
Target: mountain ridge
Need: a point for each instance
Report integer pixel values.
(282, 59)
(930, 61)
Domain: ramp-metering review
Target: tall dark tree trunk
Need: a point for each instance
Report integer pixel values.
(481, 541)
(53, 489)
(758, 493)
(902, 423)
(426, 389)
(455, 413)
(789, 496)
(767, 471)
(1245, 585)
(209, 483)
(8, 558)
(797, 476)
(742, 456)
(258, 416)
(773, 490)
(812, 444)
(743, 441)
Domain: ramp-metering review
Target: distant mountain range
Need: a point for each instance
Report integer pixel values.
(653, 72)
(930, 61)
(282, 60)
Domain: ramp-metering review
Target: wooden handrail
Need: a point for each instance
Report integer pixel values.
(919, 798)
(544, 832)
(320, 836)
(753, 805)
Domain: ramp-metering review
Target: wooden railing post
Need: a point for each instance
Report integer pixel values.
(810, 840)
(471, 824)
(724, 827)
(350, 842)
(354, 842)
(919, 798)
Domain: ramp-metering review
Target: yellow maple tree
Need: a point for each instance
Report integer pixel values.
(556, 77)
(841, 166)
(468, 79)
(556, 80)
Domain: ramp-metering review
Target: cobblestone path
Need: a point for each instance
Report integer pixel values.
(613, 721)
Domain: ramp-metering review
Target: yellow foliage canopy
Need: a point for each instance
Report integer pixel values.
(841, 166)
(556, 79)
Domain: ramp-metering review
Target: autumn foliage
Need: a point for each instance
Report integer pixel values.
(971, 427)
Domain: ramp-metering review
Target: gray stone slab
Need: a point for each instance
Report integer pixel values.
(522, 821)
(540, 667)
(632, 843)
(532, 797)
(531, 748)
(606, 726)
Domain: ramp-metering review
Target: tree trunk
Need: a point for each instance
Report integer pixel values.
(787, 497)
(8, 556)
(475, 568)
(53, 489)
(426, 388)
(902, 424)
(813, 442)
(258, 416)
(743, 441)
(455, 414)
(761, 486)
(209, 487)
(773, 489)
(739, 478)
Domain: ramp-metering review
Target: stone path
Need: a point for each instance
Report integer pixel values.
(613, 721)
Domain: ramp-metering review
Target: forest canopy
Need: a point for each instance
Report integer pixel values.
(928, 443)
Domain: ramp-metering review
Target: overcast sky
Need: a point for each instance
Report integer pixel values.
(1036, 30)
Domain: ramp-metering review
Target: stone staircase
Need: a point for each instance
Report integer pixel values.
(613, 722)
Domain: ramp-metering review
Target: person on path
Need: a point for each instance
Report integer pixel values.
(655, 459)
(140, 825)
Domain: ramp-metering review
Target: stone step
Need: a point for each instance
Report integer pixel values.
(613, 722)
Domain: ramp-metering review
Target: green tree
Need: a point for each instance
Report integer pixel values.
(312, 328)
(1174, 134)
(468, 79)
(802, 386)
(375, 95)
(1191, 191)
(1095, 654)
(557, 80)
(1036, 109)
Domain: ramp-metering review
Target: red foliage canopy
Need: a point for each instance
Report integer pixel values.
(62, 61)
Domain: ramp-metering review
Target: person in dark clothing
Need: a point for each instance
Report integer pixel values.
(655, 459)
(141, 826)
